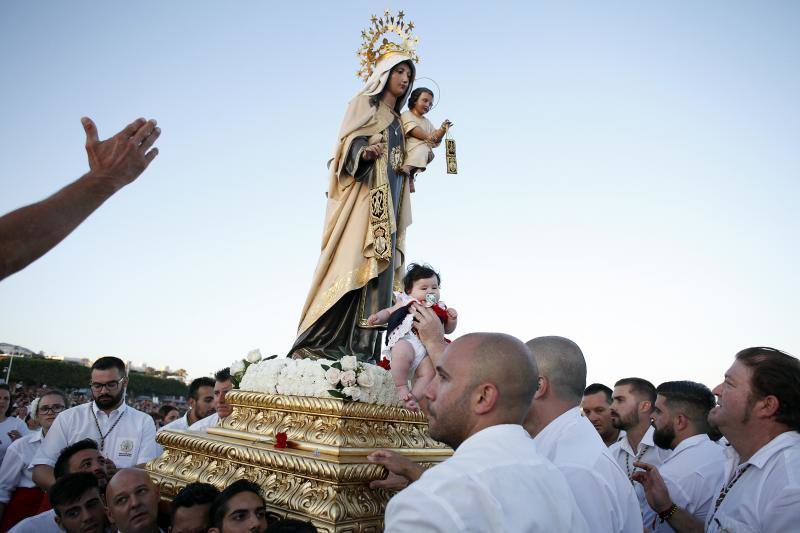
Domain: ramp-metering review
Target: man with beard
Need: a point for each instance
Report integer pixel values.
(602, 490)
(495, 480)
(757, 412)
(596, 406)
(81, 456)
(132, 501)
(223, 384)
(78, 505)
(631, 408)
(201, 404)
(696, 466)
(124, 435)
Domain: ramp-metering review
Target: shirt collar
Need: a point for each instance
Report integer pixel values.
(492, 433)
(765, 453)
(559, 423)
(685, 444)
(123, 406)
(647, 439)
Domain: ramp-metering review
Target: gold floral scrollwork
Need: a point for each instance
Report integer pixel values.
(322, 477)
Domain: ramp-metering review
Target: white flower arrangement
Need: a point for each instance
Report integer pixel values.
(240, 366)
(361, 382)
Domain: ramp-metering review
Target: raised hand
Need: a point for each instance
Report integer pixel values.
(123, 157)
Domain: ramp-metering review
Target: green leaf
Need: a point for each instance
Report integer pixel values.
(325, 367)
(338, 394)
(337, 365)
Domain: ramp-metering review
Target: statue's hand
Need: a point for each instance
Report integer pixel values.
(372, 152)
(373, 319)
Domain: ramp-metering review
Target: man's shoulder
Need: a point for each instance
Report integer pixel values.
(40, 523)
(179, 423)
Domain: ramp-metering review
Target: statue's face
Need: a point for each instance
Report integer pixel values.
(423, 103)
(399, 80)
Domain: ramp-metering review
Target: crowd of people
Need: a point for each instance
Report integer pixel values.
(535, 449)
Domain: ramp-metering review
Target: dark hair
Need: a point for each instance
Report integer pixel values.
(641, 388)
(594, 388)
(107, 363)
(223, 375)
(218, 509)
(57, 392)
(375, 99)
(70, 488)
(775, 373)
(415, 94)
(416, 272)
(4, 386)
(194, 386)
(193, 494)
(61, 467)
(291, 525)
(694, 399)
(164, 410)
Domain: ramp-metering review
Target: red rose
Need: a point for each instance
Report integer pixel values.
(384, 363)
(280, 440)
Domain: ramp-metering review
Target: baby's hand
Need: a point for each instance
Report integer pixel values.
(452, 314)
(373, 319)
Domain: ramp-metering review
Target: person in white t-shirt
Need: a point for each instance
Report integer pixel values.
(11, 427)
(495, 480)
(695, 469)
(757, 412)
(223, 384)
(602, 490)
(124, 435)
(201, 404)
(631, 408)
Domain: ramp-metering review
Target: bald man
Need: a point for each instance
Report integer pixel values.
(602, 490)
(495, 480)
(132, 501)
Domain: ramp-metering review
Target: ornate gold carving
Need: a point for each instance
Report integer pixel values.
(324, 475)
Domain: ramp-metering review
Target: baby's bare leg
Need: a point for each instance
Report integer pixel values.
(402, 358)
(423, 377)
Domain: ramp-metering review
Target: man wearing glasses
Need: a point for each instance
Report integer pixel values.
(125, 436)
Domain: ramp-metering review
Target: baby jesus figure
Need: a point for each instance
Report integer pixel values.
(421, 136)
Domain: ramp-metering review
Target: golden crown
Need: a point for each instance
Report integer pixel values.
(373, 49)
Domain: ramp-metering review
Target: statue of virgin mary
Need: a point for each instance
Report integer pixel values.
(368, 211)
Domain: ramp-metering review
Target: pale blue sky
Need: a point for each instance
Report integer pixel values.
(628, 174)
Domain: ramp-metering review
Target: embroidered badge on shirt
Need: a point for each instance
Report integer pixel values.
(126, 448)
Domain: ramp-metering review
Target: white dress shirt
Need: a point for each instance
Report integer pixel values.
(767, 495)
(603, 492)
(178, 423)
(495, 481)
(693, 474)
(647, 452)
(14, 471)
(131, 442)
(41, 523)
(204, 423)
(12, 423)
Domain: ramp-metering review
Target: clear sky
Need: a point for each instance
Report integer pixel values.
(629, 174)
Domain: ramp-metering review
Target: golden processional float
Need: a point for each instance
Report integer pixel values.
(306, 448)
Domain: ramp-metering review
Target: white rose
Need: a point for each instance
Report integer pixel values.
(365, 379)
(253, 356)
(353, 392)
(348, 378)
(333, 375)
(349, 362)
(237, 366)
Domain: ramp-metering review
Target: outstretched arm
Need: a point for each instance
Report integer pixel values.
(31, 231)
(382, 316)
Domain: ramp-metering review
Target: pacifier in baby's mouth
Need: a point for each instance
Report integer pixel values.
(431, 299)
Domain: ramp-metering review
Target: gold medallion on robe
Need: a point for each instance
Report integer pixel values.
(396, 158)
